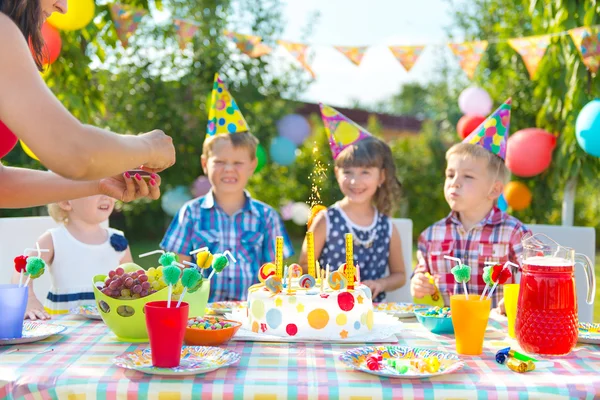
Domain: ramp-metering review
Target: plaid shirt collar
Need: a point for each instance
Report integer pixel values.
(209, 202)
(494, 217)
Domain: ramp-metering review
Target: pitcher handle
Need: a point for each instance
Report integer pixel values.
(588, 267)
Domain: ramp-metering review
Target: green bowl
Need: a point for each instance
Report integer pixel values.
(127, 319)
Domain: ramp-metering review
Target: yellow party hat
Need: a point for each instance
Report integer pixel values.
(224, 115)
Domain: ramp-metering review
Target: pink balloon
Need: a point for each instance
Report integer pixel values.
(529, 152)
(201, 186)
(475, 101)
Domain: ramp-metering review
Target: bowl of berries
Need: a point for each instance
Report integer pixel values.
(436, 319)
(121, 296)
(209, 331)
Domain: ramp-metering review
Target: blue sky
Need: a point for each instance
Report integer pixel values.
(377, 23)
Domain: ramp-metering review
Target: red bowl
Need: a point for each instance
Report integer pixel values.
(205, 337)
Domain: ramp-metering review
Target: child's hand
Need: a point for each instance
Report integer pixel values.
(375, 286)
(420, 286)
(35, 310)
(501, 309)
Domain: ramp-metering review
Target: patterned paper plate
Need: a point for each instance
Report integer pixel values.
(589, 333)
(90, 312)
(34, 331)
(194, 360)
(400, 310)
(357, 359)
(224, 307)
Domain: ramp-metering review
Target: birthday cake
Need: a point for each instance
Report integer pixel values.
(317, 305)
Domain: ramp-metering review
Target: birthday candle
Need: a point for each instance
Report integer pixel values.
(350, 270)
(310, 253)
(279, 256)
(289, 288)
(322, 280)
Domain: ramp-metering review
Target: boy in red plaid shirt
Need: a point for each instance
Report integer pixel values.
(476, 230)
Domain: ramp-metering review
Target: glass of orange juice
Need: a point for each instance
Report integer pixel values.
(511, 297)
(470, 318)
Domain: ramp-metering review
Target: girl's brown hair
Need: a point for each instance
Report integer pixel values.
(27, 14)
(372, 152)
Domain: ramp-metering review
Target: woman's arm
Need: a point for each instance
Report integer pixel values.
(21, 188)
(60, 141)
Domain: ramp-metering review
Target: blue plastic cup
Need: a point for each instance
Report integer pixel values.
(13, 303)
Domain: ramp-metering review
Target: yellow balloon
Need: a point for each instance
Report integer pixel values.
(28, 151)
(79, 14)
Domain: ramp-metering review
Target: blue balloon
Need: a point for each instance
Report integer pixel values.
(174, 199)
(502, 204)
(283, 151)
(294, 127)
(587, 128)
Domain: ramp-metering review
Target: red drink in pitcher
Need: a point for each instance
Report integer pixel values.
(547, 322)
(547, 312)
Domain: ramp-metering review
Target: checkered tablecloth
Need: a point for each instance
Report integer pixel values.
(80, 367)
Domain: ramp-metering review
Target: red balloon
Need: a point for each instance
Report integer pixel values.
(467, 124)
(52, 45)
(7, 140)
(529, 152)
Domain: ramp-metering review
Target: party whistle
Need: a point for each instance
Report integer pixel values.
(527, 366)
(435, 299)
(519, 362)
(503, 354)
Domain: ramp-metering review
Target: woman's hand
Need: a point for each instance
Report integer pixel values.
(162, 151)
(127, 188)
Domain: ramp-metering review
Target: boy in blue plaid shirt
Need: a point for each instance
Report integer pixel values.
(228, 218)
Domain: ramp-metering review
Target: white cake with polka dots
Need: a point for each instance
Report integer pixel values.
(310, 313)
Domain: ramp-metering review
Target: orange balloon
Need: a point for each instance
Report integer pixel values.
(517, 195)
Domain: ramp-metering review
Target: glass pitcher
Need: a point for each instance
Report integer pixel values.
(547, 321)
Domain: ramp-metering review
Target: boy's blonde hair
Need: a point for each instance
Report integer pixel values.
(244, 139)
(372, 152)
(58, 213)
(496, 167)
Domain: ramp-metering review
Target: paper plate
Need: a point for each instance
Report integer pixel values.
(90, 312)
(589, 333)
(400, 310)
(194, 360)
(224, 307)
(34, 331)
(357, 359)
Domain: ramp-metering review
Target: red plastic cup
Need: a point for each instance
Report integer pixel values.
(166, 329)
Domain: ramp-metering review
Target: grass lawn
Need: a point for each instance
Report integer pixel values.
(140, 247)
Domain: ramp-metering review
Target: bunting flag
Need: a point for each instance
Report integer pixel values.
(260, 50)
(407, 55)
(532, 50)
(298, 51)
(250, 45)
(587, 41)
(126, 20)
(354, 54)
(469, 54)
(186, 30)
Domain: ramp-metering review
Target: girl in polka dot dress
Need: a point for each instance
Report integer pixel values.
(365, 172)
